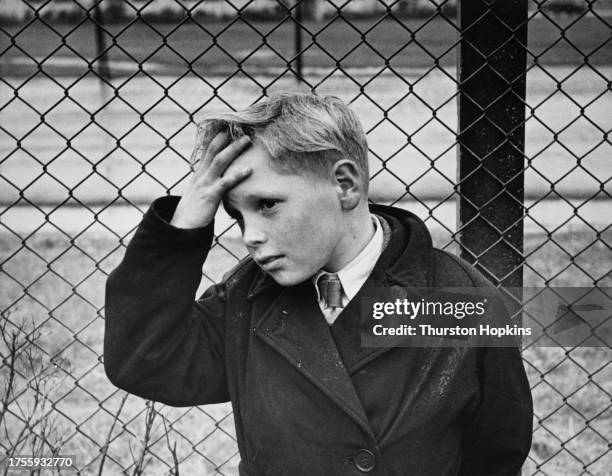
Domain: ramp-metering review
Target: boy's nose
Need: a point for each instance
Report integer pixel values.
(252, 235)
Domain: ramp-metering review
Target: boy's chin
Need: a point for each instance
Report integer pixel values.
(286, 279)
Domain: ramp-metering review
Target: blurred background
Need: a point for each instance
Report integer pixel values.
(490, 120)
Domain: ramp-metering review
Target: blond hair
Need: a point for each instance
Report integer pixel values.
(303, 133)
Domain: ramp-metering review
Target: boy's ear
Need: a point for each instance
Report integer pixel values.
(348, 180)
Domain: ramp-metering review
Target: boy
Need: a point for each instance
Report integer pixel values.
(279, 337)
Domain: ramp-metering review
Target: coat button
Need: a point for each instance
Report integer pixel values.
(364, 461)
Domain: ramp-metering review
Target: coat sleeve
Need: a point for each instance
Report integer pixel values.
(159, 344)
(498, 436)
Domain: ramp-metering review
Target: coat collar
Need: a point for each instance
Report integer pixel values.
(408, 260)
(292, 320)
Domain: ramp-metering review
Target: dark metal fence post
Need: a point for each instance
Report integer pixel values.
(103, 69)
(491, 71)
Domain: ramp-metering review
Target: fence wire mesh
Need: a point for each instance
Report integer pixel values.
(97, 110)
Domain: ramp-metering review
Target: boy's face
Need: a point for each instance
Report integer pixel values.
(290, 224)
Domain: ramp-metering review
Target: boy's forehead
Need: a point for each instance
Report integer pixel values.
(257, 158)
(267, 180)
(254, 156)
(261, 183)
(266, 183)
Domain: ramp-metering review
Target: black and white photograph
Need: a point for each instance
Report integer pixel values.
(306, 237)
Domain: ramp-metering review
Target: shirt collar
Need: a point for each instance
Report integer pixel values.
(354, 274)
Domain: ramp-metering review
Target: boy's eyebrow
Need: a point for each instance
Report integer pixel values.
(252, 197)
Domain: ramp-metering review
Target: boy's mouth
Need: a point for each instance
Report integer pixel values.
(268, 261)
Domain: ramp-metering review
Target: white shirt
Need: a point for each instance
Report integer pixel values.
(354, 274)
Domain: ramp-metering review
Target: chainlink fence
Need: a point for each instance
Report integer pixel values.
(461, 104)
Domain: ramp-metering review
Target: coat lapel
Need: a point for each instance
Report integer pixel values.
(291, 325)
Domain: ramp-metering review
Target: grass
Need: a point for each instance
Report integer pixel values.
(58, 284)
(60, 289)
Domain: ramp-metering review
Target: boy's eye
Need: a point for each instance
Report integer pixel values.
(267, 204)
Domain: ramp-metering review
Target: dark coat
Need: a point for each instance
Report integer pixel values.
(307, 399)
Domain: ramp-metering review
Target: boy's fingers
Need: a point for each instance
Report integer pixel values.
(231, 180)
(205, 150)
(199, 148)
(216, 145)
(197, 158)
(227, 156)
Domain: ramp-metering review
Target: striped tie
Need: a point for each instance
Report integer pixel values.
(330, 288)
